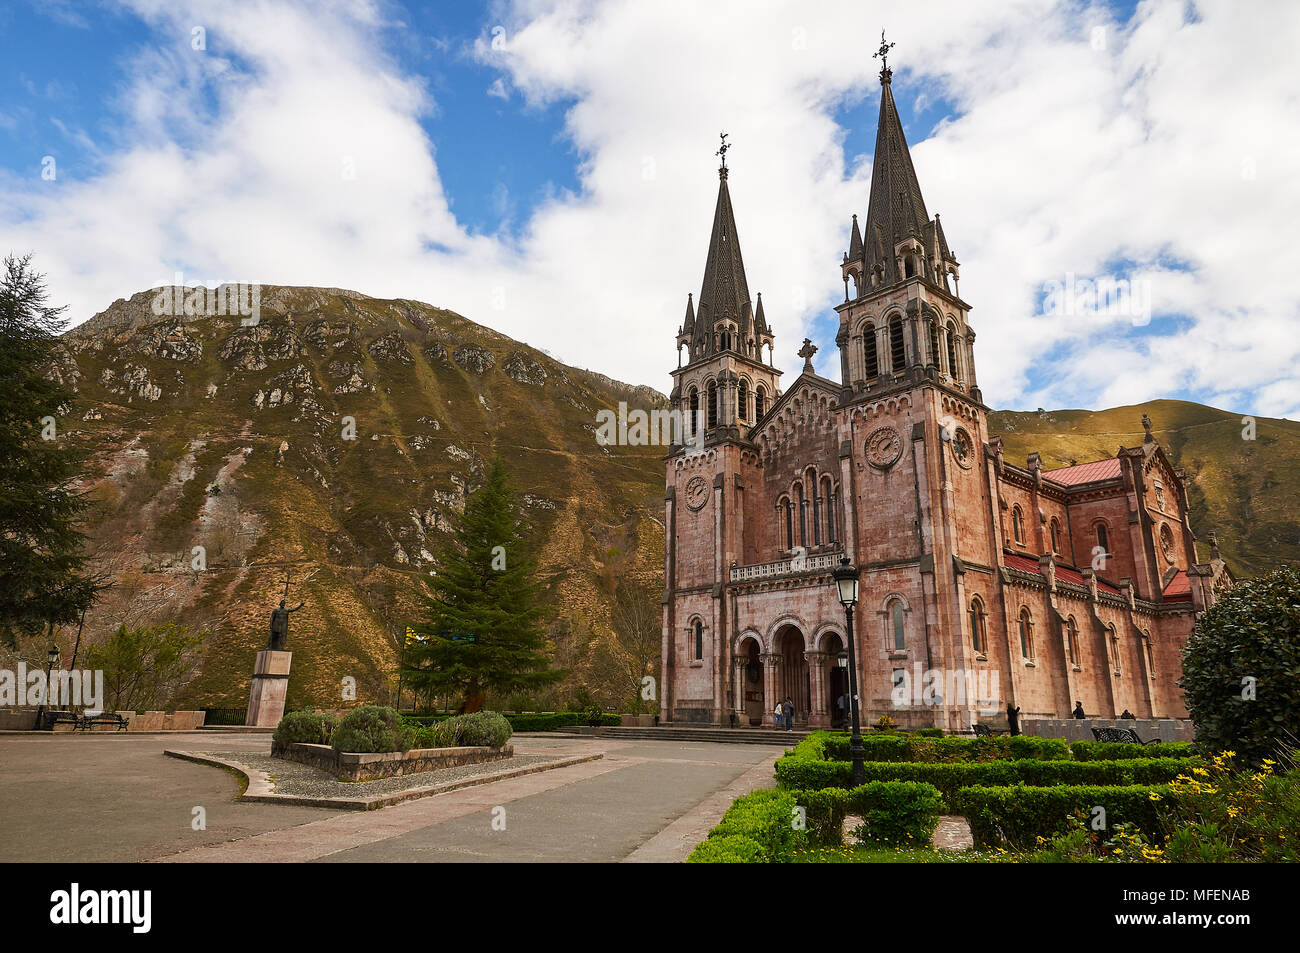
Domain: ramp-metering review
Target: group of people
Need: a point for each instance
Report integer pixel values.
(784, 714)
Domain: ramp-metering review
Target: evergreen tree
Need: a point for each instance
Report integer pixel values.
(482, 631)
(44, 580)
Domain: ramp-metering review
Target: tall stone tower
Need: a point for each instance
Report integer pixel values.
(722, 389)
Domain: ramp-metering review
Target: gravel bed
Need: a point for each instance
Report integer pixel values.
(301, 780)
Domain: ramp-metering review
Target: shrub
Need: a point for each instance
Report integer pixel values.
(484, 728)
(896, 747)
(1113, 751)
(894, 813)
(764, 818)
(305, 727)
(1253, 631)
(795, 773)
(929, 732)
(1017, 816)
(729, 849)
(372, 729)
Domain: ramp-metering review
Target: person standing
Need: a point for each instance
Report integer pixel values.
(1013, 720)
(787, 709)
(1078, 711)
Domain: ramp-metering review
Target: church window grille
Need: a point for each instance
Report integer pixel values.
(870, 350)
(951, 335)
(934, 343)
(900, 633)
(699, 639)
(694, 420)
(897, 350)
(742, 411)
(1072, 640)
(760, 401)
(977, 639)
(1026, 636)
(713, 404)
(1017, 526)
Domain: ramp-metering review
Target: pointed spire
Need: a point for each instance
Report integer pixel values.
(760, 319)
(855, 241)
(896, 210)
(724, 293)
(688, 325)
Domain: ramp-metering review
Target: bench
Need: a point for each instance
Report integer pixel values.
(52, 718)
(88, 722)
(1121, 735)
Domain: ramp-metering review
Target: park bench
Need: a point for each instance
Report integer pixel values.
(1121, 735)
(984, 731)
(88, 722)
(52, 718)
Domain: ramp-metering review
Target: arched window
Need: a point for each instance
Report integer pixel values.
(1017, 525)
(803, 514)
(896, 620)
(1103, 538)
(789, 524)
(1072, 640)
(897, 351)
(978, 639)
(742, 401)
(869, 350)
(713, 404)
(699, 639)
(828, 508)
(1151, 659)
(694, 422)
(953, 370)
(934, 342)
(726, 340)
(1114, 648)
(1026, 635)
(760, 401)
(1056, 542)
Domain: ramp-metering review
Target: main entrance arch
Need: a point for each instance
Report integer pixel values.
(751, 701)
(792, 674)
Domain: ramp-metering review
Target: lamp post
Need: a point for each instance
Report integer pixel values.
(52, 659)
(846, 579)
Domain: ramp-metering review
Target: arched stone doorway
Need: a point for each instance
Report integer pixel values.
(837, 681)
(792, 674)
(751, 700)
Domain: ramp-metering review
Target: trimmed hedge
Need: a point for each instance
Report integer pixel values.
(763, 819)
(798, 773)
(305, 727)
(894, 813)
(1017, 816)
(900, 747)
(532, 721)
(1115, 751)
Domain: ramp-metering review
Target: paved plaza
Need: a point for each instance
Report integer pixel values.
(118, 798)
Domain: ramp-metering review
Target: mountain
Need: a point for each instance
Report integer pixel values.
(1247, 491)
(205, 431)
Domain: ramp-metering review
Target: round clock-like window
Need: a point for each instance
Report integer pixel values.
(963, 450)
(697, 493)
(1167, 542)
(884, 447)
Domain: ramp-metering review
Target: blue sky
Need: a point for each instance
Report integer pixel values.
(558, 157)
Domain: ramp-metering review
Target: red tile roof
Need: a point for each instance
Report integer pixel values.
(1063, 573)
(1179, 588)
(1085, 472)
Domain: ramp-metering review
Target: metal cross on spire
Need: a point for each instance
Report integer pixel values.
(883, 53)
(722, 150)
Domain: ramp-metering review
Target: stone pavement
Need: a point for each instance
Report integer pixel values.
(117, 798)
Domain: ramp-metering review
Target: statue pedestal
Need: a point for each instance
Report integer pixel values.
(270, 688)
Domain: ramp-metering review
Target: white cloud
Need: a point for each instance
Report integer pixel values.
(1173, 148)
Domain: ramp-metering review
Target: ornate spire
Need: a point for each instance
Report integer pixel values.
(688, 325)
(855, 242)
(724, 293)
(760, 319)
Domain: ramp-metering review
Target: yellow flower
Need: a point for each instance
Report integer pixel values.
(1155, 796)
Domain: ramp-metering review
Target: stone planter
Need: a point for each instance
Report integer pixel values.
(347, 766)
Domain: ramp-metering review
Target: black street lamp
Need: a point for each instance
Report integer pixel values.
(52, 659)
(846, 578)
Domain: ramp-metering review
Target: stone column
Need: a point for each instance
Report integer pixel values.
(818, 717)
(270, 689)
(738, 664)
(771, 687)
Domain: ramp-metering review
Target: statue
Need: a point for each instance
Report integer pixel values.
(280, 621)
(280, 627)
(1146, 425)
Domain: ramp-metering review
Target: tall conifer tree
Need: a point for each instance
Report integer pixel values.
(44, 580)
(482, 630)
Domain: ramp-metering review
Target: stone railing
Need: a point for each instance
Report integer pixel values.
(795, 565)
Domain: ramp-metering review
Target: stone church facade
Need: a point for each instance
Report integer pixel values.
(983, 582)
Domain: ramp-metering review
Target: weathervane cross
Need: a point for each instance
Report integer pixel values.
(722, 150)
(883, 53)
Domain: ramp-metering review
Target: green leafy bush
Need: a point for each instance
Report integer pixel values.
(894, 813)
(478, 729)
(1240, 667)
(795, 773)
(1017, 816)
(1113, 751)
(305, 727)
(767, 819)
(372, 729)
(728, 849)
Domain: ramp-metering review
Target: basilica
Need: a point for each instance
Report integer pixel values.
(1045, 587)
